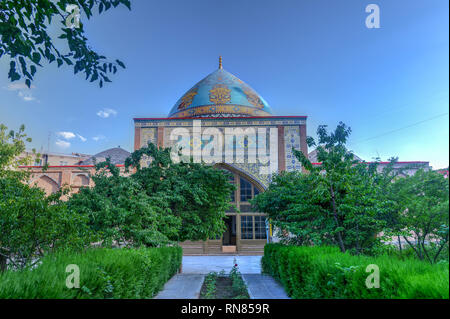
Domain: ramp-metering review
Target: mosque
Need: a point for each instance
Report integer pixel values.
(220, 108)
(223, 101)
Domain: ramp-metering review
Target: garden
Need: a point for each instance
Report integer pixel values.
(118, 239)
(346, 229)
(224, 286)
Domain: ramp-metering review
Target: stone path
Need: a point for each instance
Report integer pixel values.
(206, 264)
(263, 287)
(188, 283)
(182, 286)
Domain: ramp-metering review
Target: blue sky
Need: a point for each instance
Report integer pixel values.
(314, 58)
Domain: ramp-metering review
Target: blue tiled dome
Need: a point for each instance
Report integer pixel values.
(220, 94)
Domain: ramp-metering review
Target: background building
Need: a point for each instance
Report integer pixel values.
(75, 172)
(54, 159)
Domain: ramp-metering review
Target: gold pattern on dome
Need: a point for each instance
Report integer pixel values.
(228, 109)
(187, 99)
(220, 94)
(254, 99)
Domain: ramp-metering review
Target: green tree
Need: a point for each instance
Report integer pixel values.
(12, 146)
(423, 203)
(335, 202)
(155, 204)
(388, 197)
(32, 225)
(121, 213)
(196, 193)
(27, 41)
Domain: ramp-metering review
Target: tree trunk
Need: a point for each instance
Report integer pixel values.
(439, 251)
(399, 244)
(339, 234)
(419, 247)
(2, 263)
(418, 253)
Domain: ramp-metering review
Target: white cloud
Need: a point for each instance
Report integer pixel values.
(27, 97)
(18, 86)
(62, 144)
(66, 135)
(70, 135)
(105, 113)
(98, 138)
(83, 139)
(22, 91)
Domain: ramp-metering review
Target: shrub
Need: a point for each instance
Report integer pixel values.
(237, 283)
(104, 273)
(33, 224)
(325, 272)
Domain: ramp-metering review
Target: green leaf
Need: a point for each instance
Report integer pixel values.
(33, 70)
(13, 75)
(94, 77)
(121, 63)
(36, 57)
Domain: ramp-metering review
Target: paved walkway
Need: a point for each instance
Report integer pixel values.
(182, 286)
(263, 287)
(187, 285)
(206, 264)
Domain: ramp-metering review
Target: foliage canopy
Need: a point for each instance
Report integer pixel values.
(423, 212)
(158, 203)
(28, 42)
(335, 202)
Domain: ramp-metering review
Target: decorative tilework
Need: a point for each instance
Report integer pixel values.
(252, 169)
(292, 140)
(291, 136)
(220, 110)
(220, 94)
(186, 100)
(148, 135)
(220, 122)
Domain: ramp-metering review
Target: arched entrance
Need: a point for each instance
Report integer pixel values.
(245, 232)
(47, 184)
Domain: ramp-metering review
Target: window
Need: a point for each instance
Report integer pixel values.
(255, 191)
(246, 227)
(246, 190)
(81, 180)
(260, 227)
(233, 197)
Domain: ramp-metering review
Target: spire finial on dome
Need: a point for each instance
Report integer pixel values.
(220, 62)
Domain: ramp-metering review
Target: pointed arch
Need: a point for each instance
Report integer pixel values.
(233, 169)
(48, 184)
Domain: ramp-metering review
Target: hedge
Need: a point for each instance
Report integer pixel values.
(325, 272)
(104, 273)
